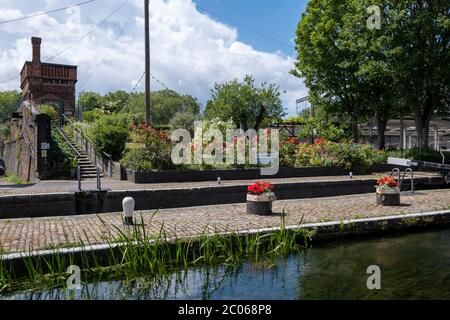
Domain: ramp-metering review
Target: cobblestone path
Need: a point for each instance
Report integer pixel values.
(25, 234)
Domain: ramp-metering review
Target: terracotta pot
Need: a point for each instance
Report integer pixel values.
(388, 197)
(259, 204)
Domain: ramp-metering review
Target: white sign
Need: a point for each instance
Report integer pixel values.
(45, 146)
(399, 161)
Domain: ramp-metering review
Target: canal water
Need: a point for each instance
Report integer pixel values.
(412, 266)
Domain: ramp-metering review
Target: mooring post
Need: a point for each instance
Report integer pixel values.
(128, 209)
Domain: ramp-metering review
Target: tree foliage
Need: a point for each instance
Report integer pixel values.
(164, 104)
(9, 101)
(245, 103)
(89, 100)
(358, 72)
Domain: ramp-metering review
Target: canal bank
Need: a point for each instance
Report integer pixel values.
(188, 195)
(310, 233)
(329, 218)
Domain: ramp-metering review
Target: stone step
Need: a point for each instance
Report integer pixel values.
(87, 168)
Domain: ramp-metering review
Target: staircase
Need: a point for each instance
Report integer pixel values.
(87, 168)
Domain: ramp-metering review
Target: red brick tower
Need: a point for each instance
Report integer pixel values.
(48, 83)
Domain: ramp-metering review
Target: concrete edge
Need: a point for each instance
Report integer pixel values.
(324, 230)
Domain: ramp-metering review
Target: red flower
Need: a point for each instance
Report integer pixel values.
(291, 140)
(320, 141)
(387, 181)
(260, 187)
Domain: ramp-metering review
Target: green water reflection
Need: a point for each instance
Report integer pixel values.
(413, 266)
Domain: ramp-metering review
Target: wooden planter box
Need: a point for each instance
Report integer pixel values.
(388, 197)
(259, 204)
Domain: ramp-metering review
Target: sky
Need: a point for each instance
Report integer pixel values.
(194, 43)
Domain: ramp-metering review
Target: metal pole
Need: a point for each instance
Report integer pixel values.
(99, 186)
(402, 134)
(79, 177)
(148, 118)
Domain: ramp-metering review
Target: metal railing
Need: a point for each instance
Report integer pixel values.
(68, 142)
(402, 177)
(87, 145)
(99, 180)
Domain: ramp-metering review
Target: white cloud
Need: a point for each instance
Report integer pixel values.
(189, 50)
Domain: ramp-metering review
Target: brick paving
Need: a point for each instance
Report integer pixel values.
(17, 235)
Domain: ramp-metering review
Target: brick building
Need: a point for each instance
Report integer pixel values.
(48, 83)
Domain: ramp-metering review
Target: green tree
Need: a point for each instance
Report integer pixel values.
(88, 100)
(422, 31)
(327, 63)
(397, 69)
(244, 103)
(9, 101)
(115, 101)
(164, 105)
(376, 52)
(184, 120)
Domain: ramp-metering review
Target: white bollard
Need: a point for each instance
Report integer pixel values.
(351, 175)
(219, 180)
(128, 209)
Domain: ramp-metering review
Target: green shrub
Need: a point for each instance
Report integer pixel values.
(110, 133)
(14, 179)
(321, 128)
(61, 154)
(326, 153)
(49, 110)
(183, 120)
(288, 149)
(92, 115)
(110, 139)
(156, 153)
(418, 154)
(4, 130)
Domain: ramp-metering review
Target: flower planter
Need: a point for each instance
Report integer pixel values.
(259, 204)
(388, 196)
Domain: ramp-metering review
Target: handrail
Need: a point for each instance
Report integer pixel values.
(84, 136)
(67, 141)
(442, 154)
(412, 178)
(401, 178)
(398, 173)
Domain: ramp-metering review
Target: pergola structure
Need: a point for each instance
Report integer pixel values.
(401, 133)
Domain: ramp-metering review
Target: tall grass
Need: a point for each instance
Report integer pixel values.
(135, 253)
(14, 179)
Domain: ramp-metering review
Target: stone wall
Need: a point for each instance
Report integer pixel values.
(25, 152)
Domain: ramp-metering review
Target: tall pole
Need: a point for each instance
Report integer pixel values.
(148, 118)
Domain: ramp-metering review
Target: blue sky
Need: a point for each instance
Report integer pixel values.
(277, 19)
(191, 47)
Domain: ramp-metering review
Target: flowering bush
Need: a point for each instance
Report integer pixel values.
(326, 153)
(153, 151)
(387, 182)
(287, 151)
(262, 188)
